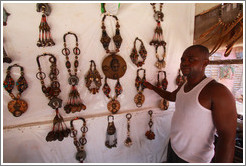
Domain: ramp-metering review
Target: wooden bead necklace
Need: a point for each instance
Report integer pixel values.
(158, 36)
(74, 103)
(93, 76)
(59, 130)
(150, 134)
(16, 106)
(79, 144)
(142, 53)
(113, 66)
(180, 79)
(139, 97)
(164, 104)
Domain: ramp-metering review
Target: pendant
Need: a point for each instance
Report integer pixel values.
(150, 135)
(80, 155)
(73, 80)
(55, 103)
(160, 64)
(113, 106)
(139, 99)
(128, 142)
(17, 107)
(164, 104)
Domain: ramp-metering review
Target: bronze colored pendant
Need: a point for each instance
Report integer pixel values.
(139, 99)
(114, 66)
(128, 141)
(111, 140)
(164, 104)
(150, 134)
(160, 64)
(114, 106)
(17, 107)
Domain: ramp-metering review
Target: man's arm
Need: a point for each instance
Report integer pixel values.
(225, 120)
(170, 96)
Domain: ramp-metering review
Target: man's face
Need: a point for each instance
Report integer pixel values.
(192, 62)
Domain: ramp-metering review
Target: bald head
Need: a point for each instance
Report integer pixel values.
(202, 50)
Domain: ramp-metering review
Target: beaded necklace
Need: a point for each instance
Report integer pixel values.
(150, 134)
(139, 98)
(180, 79)
(164, 104)
(128, 141)
(158, 37)
(74, 103)
(16, 106)
(93, 76)
(142, 53)
(113, 66)
(59, 130)
(111, 140)
(79, 144)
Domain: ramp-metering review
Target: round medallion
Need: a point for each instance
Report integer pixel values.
(55, 103)
(114, 66)
(114, 106)
(139, 99)
(158, 16)
(80, 155)
(17, 107)
(164, 104)
(73, 80)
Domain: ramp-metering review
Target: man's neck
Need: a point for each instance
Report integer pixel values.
(192, 82)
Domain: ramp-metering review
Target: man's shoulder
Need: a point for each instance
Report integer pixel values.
(216, 88)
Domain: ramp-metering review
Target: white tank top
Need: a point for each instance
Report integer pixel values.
(192, 127)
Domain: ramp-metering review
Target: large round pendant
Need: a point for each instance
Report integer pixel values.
(114, 66)
(139, 99)
(17, 107)
(114, 106)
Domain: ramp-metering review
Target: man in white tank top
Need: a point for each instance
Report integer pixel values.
(202, 107)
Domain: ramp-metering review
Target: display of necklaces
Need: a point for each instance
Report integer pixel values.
(113, 66)
(16, 106)
(111, 137)
(74, 103)
(142, 53)
(180, 79)
(79, 144)
(59, 130)
(93, 77)
(150, 134)
(158, 37)
(164, 104)
(128, 141)
(45, 38)
(139, 97)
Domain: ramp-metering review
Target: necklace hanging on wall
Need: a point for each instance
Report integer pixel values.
(93, 76)
(111, 140)
(45, 38)
(74, 103)
(139, 97)
(150, 134)
(164, 104)
(113, 66)
(16, 106)
(180, 79)
(142, 53)
(59, 130)
(128, 141)
(79, 144)
(158, 36)
(113, 105)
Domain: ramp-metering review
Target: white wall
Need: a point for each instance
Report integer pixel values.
(24, 137)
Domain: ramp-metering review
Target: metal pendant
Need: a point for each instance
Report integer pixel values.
(139, 99)
(17, 107)
(164, 104)
(160, 64)
(114, 66)
(80, 155)
(73, 80)
(158, 16)
(55, 103)
(113, 106)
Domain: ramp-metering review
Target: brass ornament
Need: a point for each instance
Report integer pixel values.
(114, 66)
(113, 106)
(111, 139)
(150, 134)
(164, 104)
(17, 107)
(139, 99)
